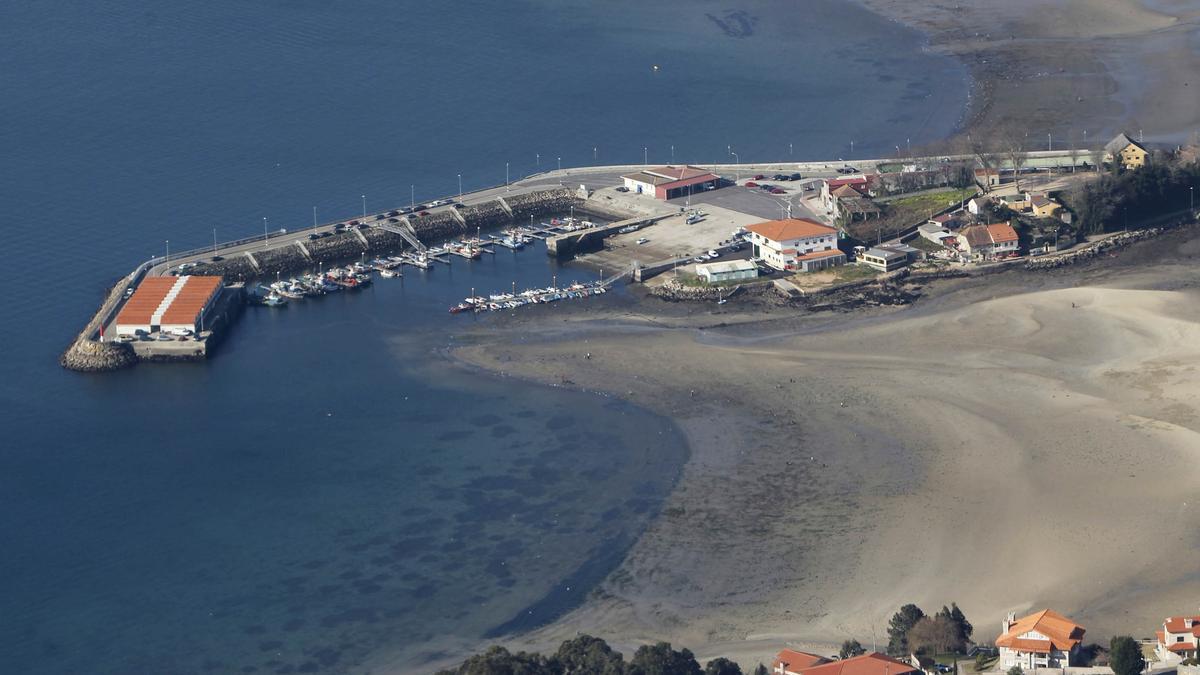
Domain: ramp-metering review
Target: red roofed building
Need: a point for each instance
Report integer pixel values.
(1043, 640)
(867, 664)
(669, 182)
(989, 242)
(168, 304)
(796, 245)
(793, 662)
(1179, 639)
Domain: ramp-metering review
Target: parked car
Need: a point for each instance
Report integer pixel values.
(780, 176)
(641, 241)
(751, 184)
(379, 217)
(765, 186)
(759, 177)
(778, 191)
(393, 214)
(713, 254)
(796, 176)
(622, 188)
(217, 258)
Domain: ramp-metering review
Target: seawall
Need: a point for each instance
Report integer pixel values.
(501, 212)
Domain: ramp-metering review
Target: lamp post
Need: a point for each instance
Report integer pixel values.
(537, 159)
(214, 241)
(789, 149)
(168, 258)
(1050, 142)
(672, 154)
(737, 172)
(266, 237)
(1192, 199)
(851, 150)
(460, 186)
(560, 170)
(314, 216)
(364, 200)
(908, 143)
(595, 154)
(506, 176)
(645, 155)
(412, 197)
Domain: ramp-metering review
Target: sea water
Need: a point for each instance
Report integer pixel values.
(326, 488)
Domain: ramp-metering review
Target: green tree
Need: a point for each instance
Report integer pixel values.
(902, 621)
(722, 666)
(499, 661)
(660, 659)
(1016, 670)
(761, 670)
(965, 629)
(587, 654)
(1125, 656)
(981, 660)
(851, 648)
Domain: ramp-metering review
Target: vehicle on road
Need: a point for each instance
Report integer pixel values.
(759, 177)
(622, 188)
(713, 254)
(751, 184)
(796, 176)
(778, 191)
(643, 240)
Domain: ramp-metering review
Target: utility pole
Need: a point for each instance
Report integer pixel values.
(506, 176)
(364, 198)
(214, 241)
(265, 236)
(412, 197)
(314, 216)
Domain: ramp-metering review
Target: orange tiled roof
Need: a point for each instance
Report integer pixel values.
(794, 661)
(1182, 624)
(1002, 233)
(1063, 633)
(867, 664)
(792, 228)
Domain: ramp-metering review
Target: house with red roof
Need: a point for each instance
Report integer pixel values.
(1046, 639)
(793, 662)
(1179, 639)
(790, 662)
(989, 242)
(670, 182)
(796, 245)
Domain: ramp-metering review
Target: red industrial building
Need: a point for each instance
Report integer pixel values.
(168, 304)
(670, 182)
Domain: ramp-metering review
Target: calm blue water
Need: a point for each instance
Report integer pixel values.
(325, 491)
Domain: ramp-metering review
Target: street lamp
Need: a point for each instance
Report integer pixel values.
(537, 158)
(265, 236)
(672, 154)
(1050, 142)
(560, 170)
(645, 155)
(851, 155)
(505, 176)
(460, 186)
(412, 197)
(168, 258)
(314, 216)
(364, 198)
(737, 174)
(214, 241)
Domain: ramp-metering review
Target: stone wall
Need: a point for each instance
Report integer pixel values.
(1093, 251)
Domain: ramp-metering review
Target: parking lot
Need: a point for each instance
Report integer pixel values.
(671, 237)
(756, 202)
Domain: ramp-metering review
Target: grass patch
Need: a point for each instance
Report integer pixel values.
(926, 245)
(932, 201)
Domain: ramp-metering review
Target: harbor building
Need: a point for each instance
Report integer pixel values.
(670, 182)
(796, 245)
(168, 305)
(730, 270)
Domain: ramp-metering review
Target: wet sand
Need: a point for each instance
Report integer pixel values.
(991, 444)
(1065, 67)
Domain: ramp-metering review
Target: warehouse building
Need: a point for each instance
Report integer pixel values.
(730, 270)
(670, 182)
(169, 304)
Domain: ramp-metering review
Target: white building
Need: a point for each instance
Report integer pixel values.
(796, 245)
(1179, 639)
(989, 242)
(979, 205)
(1043, 640)
(730, 270)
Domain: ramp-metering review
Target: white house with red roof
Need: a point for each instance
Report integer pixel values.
(796, 245)
(1046, 639)
(1179, 639)
(998, 240)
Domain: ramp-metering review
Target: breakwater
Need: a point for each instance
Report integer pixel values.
(303, 254)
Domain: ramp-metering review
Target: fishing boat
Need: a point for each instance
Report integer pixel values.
(274, 300)
(389, 273)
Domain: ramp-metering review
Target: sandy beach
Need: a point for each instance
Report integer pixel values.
(1006, 443)
(1065, 67)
